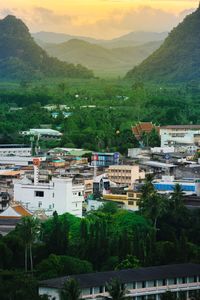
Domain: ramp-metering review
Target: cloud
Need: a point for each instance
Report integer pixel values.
(116, 23)
(143, 18)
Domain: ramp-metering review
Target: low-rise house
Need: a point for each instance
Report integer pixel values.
(127, 201)
(11, 216)
(143, 283)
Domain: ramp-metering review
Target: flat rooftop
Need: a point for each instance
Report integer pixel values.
(180, 127)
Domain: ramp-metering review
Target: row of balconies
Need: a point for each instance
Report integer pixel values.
(149, 290)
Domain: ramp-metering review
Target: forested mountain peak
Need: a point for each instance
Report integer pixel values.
(178, 58)
(22, 58)
(11, 26)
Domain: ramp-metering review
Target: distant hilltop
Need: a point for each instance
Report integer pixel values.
(22, 58)
(177, 59)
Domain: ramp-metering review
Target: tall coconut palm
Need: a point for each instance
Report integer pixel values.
(29, 230)
(116, 290)
(71, 290)
(177, 197)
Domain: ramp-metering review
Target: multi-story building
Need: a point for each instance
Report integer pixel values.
(15, 150)
(100, 159)
(144, 283)
(177, 135)
(128, 201)
(60, 195)
(125, 174)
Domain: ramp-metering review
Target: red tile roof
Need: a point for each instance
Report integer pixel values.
(141, 127)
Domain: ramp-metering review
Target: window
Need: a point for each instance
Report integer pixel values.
(79, 193)
(40, 204)
(39, 193)
(53, 195)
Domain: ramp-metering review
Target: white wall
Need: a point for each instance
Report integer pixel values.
(59, 195)
(16, 151)
(53, 293)
(169, 135)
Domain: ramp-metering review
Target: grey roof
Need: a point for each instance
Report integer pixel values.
(181, 127)
(127, 276)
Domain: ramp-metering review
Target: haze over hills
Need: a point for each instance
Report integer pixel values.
(103, 61)
(22, 58)
(130, 39)
(178, 58)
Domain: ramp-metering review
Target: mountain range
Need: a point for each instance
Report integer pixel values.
(105, 57)
(177, 59)
(22, 58)
(130, 39)
(103, 61)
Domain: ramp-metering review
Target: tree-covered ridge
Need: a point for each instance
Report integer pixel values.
(178, 58)
(21, 57)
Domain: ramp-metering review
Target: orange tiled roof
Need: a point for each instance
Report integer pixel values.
(21, 210)
(141, 127)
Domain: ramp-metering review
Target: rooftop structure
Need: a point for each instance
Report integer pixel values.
(43, 133)
(144, 282)
(143, 127)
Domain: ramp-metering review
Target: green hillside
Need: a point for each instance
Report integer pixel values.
(102, 60)
(178, 58)
(22, 58)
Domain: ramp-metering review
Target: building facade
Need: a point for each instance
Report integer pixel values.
(125, 175)
(15, 150)
(141, 284)
(60, 195)
(100, 159)
(177, 135)
(168, 183)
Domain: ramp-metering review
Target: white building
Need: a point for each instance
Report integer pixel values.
(18, 160)
(142, 283)
(15, 150)
(176, 135)
(60, 195)
(43, 133)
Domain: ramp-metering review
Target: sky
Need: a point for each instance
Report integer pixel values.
(103, 19)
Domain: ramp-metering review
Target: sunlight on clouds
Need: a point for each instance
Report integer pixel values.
(99, 18)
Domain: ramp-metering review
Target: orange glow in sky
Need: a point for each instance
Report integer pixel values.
(99, 18)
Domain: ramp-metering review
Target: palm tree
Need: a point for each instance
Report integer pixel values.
(29, 230)
(116, 290)
(177, 197)
(71, 290)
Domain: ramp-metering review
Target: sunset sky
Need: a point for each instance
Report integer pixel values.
(99, 18)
